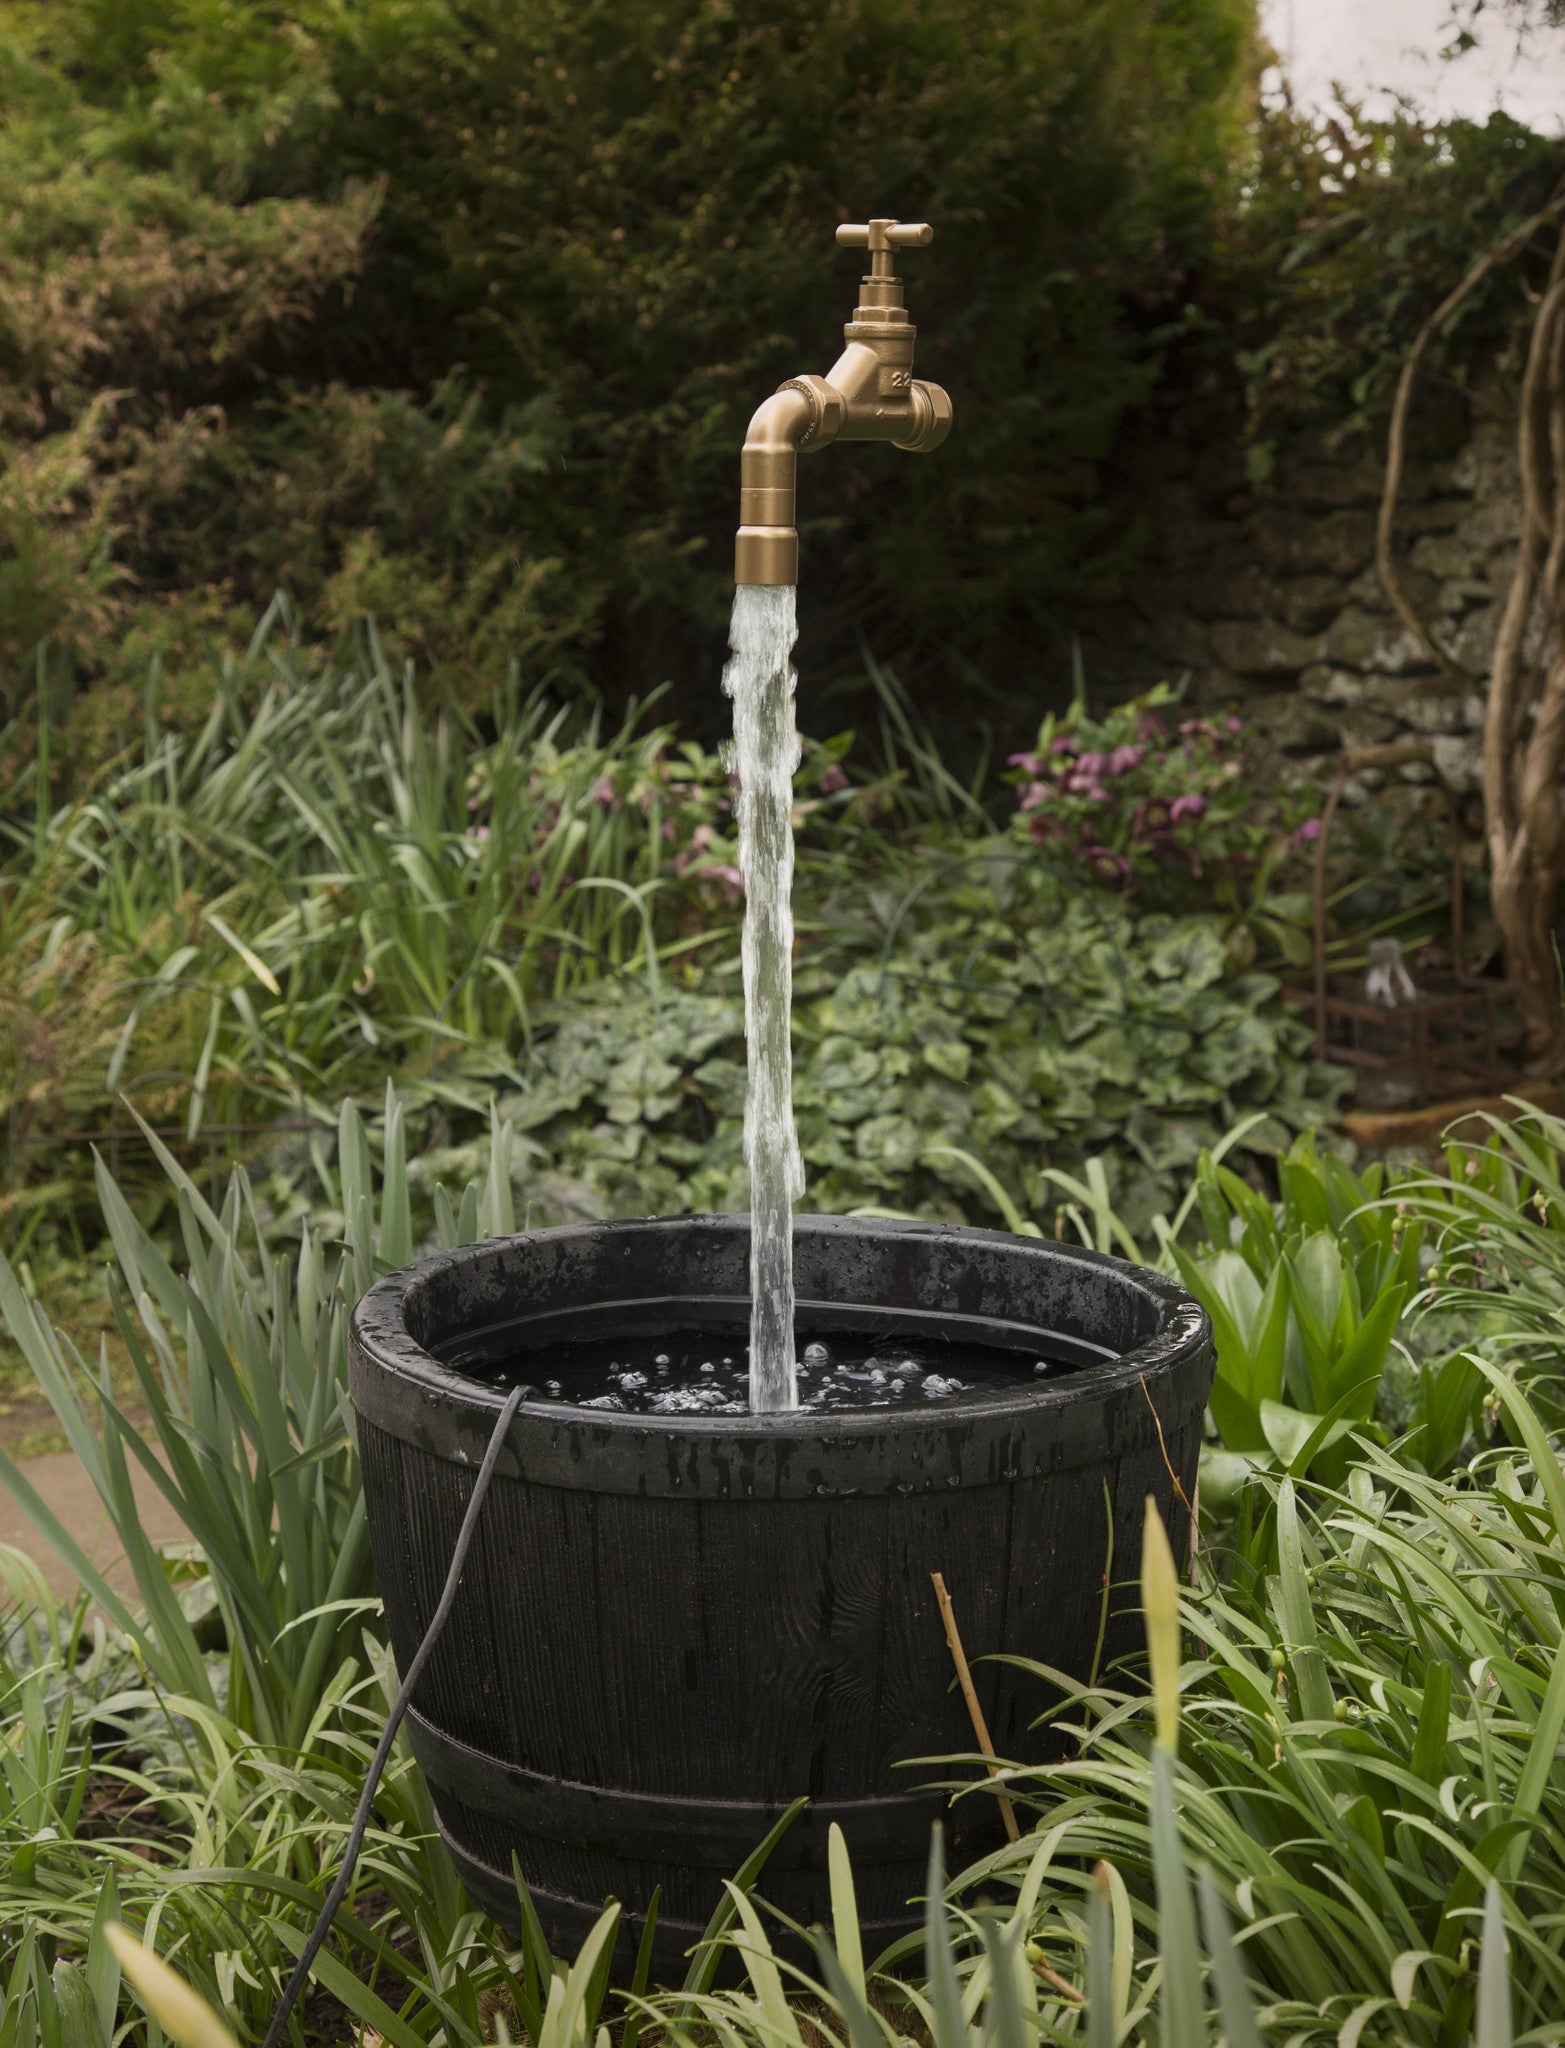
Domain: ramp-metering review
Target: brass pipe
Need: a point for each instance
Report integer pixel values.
(766, 548)
(869, 394)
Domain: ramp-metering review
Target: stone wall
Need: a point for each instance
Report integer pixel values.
(1268, 599)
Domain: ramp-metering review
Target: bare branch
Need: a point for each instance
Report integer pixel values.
(1396, 439)
(1509, 694)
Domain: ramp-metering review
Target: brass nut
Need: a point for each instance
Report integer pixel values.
(931, 419)
(826, 410)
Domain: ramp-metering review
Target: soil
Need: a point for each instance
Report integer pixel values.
(61, 1480)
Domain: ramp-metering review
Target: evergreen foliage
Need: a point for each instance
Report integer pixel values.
(457, 314)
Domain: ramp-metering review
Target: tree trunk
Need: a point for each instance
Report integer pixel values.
(1524, 731)
(1524, 728)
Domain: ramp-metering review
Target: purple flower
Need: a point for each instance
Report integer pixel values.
(833, 780)
(1062, 744)
(1092, 765)
(1029, 764)
(1123, 759)
(1234, 725)
(605, 792)
(1186, 807)
(1111, 866)
(1310, 829)
(1031, 794)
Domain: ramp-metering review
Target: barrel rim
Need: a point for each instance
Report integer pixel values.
(403, 1388)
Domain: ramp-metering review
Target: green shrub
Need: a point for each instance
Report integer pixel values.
(459, 311)
(1306, 1296)
(193, 1757)
(947, 1062)
(1349, 233)
(1158, 804)
(324, 885)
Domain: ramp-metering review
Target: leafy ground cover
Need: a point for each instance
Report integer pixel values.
(1367, 1726)
(326, 884)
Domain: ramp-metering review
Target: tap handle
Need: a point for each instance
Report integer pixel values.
(882, 236)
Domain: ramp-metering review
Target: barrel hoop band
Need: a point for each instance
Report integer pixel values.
(715, 1834)
(497, 1890)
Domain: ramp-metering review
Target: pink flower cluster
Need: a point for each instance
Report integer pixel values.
(1139, 796)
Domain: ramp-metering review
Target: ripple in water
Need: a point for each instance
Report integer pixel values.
(697, 1372)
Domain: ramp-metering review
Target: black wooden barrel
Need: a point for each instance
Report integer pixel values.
(672, 1626)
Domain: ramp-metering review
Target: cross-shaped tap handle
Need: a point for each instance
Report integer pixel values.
(882, 236)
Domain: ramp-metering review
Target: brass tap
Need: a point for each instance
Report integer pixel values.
(869, 394)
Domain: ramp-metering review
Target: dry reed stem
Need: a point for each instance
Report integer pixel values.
(975, 1711)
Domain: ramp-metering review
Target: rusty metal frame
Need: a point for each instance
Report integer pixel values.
(1475, 997)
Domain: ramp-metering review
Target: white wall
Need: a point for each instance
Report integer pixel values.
(1378, 48)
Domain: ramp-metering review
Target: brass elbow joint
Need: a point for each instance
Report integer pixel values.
(804, 413)
(870, 394)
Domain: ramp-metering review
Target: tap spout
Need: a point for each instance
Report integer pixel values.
(767, 545)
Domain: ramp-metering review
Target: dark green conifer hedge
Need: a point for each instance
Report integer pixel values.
(455, 309)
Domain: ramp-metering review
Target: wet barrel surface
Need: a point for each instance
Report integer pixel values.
(671, 1626)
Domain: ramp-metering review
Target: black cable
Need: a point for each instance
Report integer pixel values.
(399, 1707)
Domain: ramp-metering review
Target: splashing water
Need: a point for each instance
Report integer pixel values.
(760, 680)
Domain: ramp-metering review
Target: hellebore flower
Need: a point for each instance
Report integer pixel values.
(1031, 794)
(730, 878)
(1235, 725)
(1030, 764)
(833, 780)
(1186, 807)
(1123, 759)
(1091, 765)
(605, 792)
(1062, 743)
(1310, 829)
(1111, 866)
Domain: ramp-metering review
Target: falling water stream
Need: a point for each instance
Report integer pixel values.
(760, 680)
(659, 1368)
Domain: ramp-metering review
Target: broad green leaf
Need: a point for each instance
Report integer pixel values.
(844, 1911)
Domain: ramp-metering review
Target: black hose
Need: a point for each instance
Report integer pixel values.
(388, 1736)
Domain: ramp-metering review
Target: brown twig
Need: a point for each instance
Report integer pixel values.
(1396, 438)
(975, 1711)
(1063, 1985)
(1179, 1492)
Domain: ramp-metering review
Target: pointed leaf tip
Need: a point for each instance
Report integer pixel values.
(181, 2012)
(1160, 1606)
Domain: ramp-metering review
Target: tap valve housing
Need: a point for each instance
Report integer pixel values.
(869, 394)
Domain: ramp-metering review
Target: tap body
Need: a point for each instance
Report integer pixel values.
(869, 394)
